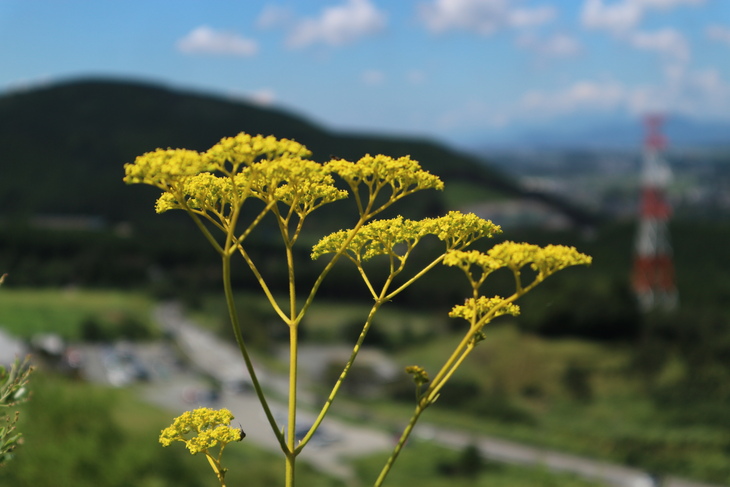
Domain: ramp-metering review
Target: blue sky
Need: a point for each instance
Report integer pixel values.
(459, 70)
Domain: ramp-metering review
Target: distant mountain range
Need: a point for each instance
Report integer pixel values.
(62, 147)
(623, 134)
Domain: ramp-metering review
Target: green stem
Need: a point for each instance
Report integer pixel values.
(217, 468)
(233, 313)
(291, 433)
(399, 446)
(341, 378)
(201, 226)
(264, 287)
(415, 277)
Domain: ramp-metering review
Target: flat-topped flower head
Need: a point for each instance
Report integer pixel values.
(514, 256)
(379, 237)
(459, 229)
(203, 191)
(403, 175)
(475, 309)
(299, 183)
(209, 428)
(466, 259)
(545, 261)
(557, 257)
(232, 153)
(165, 167)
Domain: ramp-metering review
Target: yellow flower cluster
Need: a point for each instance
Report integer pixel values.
(231, 153)
(270, 169)
(202, 191)
(380, 237)
(210, 427)
(557, 257)
(403, 174)
(165, 168)
(301, 184)
(474, 309)
(545, 260)
(460, 229)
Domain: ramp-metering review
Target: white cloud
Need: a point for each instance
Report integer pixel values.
(205, 40)
(481, 16)
(624, 15)
(373, 77)
(274, 16)
(718, 33)
(527, 17)
(558, 45)
(264, 97)
(416, 77)
(668, 42)
(617, 17)
(339, 25)
(695, 93)
(702, 94)
(582, 95)
(622, 19)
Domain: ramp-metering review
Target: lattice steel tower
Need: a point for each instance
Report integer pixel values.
(653, 276)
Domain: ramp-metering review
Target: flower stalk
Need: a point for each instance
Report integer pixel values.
(212, 187)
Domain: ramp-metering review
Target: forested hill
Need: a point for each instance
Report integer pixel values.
(63, 146)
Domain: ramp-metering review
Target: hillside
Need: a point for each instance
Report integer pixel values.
(63, 146)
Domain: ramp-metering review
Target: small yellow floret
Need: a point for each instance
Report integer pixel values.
(460, 229)
(299, 183)
(231, 153)
(403, 174)
(165, 167)
(475, 309)
(378, 237)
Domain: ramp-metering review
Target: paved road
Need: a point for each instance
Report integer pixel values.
(183, 389)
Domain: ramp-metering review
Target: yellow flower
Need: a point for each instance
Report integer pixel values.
(299, 183)
(203, 191)
(545, 261)
(165, 167)
(378, 237)
(459, 230)
(231, 153)
(466, 260)
(556, 257)
(403, 175)
(475, 309)
(209, 427)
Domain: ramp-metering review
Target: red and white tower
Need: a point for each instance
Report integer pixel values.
(653, 276)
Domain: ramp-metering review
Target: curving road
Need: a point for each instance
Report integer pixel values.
(181, 388)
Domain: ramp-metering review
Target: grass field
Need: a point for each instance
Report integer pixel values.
(427, 465)
(25, 312)
(79, 435)
(567, 394)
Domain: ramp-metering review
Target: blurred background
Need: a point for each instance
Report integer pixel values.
(603, 124)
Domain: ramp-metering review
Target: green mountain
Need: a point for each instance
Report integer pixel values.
(63, 146)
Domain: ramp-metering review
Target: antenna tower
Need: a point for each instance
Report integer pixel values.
(653, 275)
